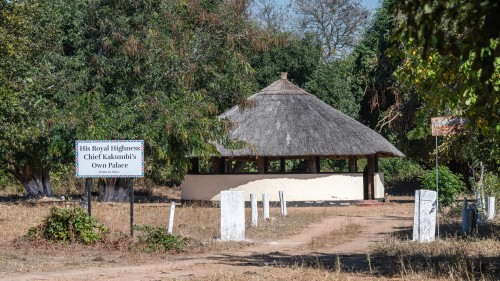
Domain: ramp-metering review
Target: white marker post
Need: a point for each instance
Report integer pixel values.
(255, 213)
(232, 215)
(171, 217)
(282, 203)
(491, 208)
(265, 205)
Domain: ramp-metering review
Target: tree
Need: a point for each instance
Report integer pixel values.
(334, 83)
(298, 57)
(337, 23)
(451, 56)
(160, 71)
(270, 16)
(35, 82)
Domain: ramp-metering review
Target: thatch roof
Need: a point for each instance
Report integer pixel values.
(286, 121)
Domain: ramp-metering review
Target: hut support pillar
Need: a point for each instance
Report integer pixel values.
(353, 167)
(218, 165)
(261, 166)
(312, 165)
(282, 166)
(370, 174)
(318, 165)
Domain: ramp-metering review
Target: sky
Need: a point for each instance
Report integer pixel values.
(370, 4)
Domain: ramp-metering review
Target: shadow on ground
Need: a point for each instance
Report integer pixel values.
(392, 263)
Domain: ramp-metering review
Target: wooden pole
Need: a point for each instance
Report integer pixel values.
(88, 189)
(131, 195)
(282, 166)
(311, 165)
(260, 165)
(352, 163)
(371, 176)
(318, 164)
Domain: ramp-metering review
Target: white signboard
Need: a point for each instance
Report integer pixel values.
(109, 158)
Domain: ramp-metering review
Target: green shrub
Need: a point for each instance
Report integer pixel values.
(157, 238)
(450, 184)
(69, 225)
(399, 169)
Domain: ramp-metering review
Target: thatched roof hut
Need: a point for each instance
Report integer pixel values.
(285, 121)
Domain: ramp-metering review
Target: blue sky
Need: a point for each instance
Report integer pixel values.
(370, 4)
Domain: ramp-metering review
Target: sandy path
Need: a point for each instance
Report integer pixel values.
(258, 257)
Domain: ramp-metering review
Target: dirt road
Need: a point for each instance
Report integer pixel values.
(376, 223)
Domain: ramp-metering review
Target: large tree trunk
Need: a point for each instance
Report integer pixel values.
(35, 180)
(114, 189)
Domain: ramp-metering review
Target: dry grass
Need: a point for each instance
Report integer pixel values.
(453, 257)
(337, 236)
(202, 224)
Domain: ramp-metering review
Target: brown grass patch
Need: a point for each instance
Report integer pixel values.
(337, 236)
(453, 256)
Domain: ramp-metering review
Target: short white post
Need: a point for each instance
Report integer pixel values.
(232, 215)
(465, 218)
(491, 208)
(282, 202)
(171, 217)
(424, 219)
(255, 213)
(265, 205)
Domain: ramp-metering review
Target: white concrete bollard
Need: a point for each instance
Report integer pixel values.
(282, 202)
(465, 218)
(255, 213)
(265, 205)
(424, 220)
(491, 208)
(232, 215)
(171, 217)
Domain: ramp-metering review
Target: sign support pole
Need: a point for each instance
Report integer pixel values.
(88, 188)
(131, 207)
(437, 189)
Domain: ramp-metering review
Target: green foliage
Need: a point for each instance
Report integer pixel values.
(168, 66)
(334, 83)
(452, 76)
(69, 225)
(373, 70)
(156, 238)
(35, 82)
(399, 169)
(450, 184)
(462, 29)
(298, 57)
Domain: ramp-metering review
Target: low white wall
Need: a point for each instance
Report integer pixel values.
(297, 187)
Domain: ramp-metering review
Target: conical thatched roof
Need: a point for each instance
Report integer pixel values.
(286, 121)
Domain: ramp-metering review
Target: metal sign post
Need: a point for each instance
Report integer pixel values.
(88, 189)
(131, 207)
(444, 126)
(437, 187)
